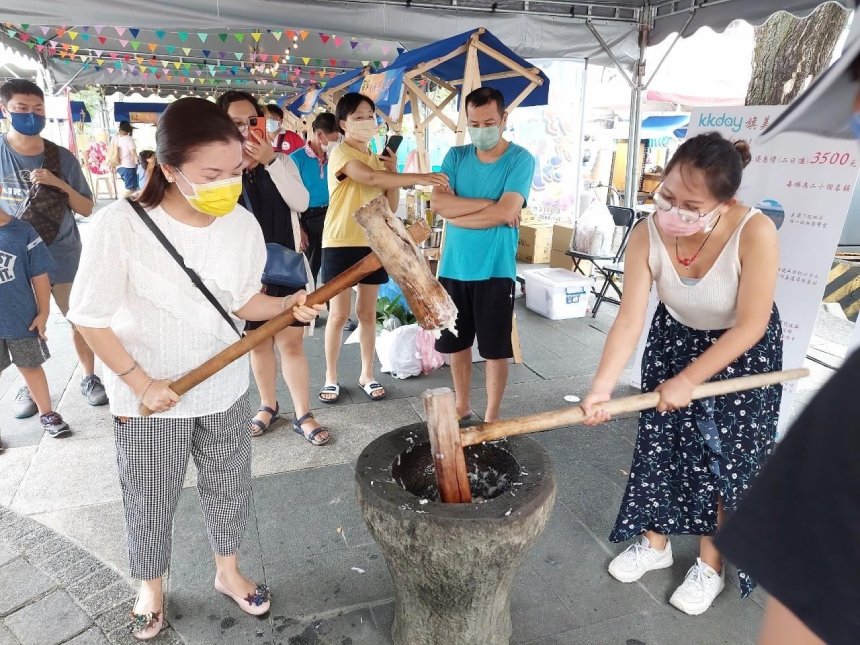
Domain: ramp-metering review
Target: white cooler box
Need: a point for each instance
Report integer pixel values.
(557, 293)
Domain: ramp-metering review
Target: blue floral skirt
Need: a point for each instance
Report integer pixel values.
(686, 461)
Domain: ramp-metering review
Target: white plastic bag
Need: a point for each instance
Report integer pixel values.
(398, 352)
(594, 231)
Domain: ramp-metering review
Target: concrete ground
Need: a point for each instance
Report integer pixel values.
(306, 538)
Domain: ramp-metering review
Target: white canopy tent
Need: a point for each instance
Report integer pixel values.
(599, 31)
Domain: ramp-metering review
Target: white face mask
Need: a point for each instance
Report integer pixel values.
(329, 146)
(362, 131)
(273, 125)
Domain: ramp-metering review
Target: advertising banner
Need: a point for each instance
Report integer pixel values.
(804, 184)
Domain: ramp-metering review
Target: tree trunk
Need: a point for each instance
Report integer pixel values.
(790, 52)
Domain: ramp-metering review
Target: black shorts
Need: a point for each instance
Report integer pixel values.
(486, 310)
(337, 259)
(276, 292)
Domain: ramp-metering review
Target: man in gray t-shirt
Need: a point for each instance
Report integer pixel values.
(22, 164)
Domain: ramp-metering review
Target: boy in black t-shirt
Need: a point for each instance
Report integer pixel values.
(798, 530)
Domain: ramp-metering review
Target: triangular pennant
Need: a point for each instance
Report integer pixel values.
(41, 40)
(135, 44)
(110, 70)
(256, 36)
(202, 35)
(85, 37)
(332, 62)
(239, 37)
(170, 48)
(120, 31)
(114, 55)
(400, 51)
(152, 47)
(386, 49)
(97, 52)
(183, 36)
(186, 50)
(307, 60)
(72, 34)
(222, 54)
(264, 57)
(365, 46)
(134, 31)
(277, 35)
(45, 30)
(365, 63)
(40, 48)
(102, 40)
(206, 52)
(304, 34)
(60, 32)
(75, 49)
(160, 34)
(99, 29)
(124, 43)
(384, 64)
(176, 64)
(139, 59)
(165, 63)
(353, 44)
(239, 55)
(223, 37)
(86, 29)
(291, 34)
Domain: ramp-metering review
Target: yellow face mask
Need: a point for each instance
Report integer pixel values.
(216, 198)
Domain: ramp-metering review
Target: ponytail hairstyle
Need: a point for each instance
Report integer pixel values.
(721, 161)
(186, 124)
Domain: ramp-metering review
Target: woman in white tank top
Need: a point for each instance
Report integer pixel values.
(714, 264)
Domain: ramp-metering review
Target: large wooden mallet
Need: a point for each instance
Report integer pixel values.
(394, 248)
(447, 440)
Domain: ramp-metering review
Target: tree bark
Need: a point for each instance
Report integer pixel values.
(790, 52)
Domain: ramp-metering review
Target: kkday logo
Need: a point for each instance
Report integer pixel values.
(723, 120)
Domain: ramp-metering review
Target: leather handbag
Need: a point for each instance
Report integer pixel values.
(44, 207)
(284, 267)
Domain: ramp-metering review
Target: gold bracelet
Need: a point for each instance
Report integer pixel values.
(146, 389)
(129, 370)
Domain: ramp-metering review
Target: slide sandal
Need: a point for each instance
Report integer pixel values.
(330, 389)
(372, 387)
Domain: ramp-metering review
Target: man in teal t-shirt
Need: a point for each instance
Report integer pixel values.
(489, 185)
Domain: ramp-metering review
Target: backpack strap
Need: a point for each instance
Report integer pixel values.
(52, 158)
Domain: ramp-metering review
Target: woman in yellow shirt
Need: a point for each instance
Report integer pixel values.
(355, 177)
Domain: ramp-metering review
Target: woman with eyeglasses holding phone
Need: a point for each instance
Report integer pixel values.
(714, 262)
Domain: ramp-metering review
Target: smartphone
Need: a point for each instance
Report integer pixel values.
(256, 125)
(394, 142)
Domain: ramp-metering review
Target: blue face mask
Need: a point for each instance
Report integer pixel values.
(855, 124)
(27, 123)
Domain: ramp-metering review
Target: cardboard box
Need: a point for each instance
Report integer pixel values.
(562, 234)
(535, 243)
(559, 260)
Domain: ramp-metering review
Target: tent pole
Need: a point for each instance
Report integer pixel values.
(631, 184)
(582, 104)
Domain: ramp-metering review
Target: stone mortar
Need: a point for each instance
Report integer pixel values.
(453, 564)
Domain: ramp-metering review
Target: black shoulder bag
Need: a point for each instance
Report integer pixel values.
(181, 262)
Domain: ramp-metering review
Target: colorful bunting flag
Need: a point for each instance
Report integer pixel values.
(72, 34)
(202, 35)
(134, 31)
(256, 36)
(160, 34)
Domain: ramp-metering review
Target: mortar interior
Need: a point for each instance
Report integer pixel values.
(492, 470)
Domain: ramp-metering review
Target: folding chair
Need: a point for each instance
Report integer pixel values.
(610, 267)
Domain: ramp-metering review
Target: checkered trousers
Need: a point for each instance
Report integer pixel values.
(152, 457)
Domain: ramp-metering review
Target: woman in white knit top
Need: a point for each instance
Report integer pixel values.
(714, 264)
(149, 325)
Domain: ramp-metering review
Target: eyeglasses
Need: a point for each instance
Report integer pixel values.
(686, 215)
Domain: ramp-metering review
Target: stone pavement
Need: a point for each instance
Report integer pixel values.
(306, 538)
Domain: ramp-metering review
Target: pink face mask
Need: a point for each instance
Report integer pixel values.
(671, 224)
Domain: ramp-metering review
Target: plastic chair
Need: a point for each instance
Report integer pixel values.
(610, 267)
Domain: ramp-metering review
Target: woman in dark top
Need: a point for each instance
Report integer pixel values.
(272, 190)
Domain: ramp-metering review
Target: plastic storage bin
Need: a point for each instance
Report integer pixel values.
(557, 294)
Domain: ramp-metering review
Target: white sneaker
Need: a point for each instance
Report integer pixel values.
(699, 589)
(640, 558)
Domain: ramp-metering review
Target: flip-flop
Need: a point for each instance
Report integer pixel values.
(330, 389)
(311, 438)
(259, 425)
(372, 387)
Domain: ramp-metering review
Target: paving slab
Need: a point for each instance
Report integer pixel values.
(16, 462)
(21, 582)
(49, 621)
(69, 473)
